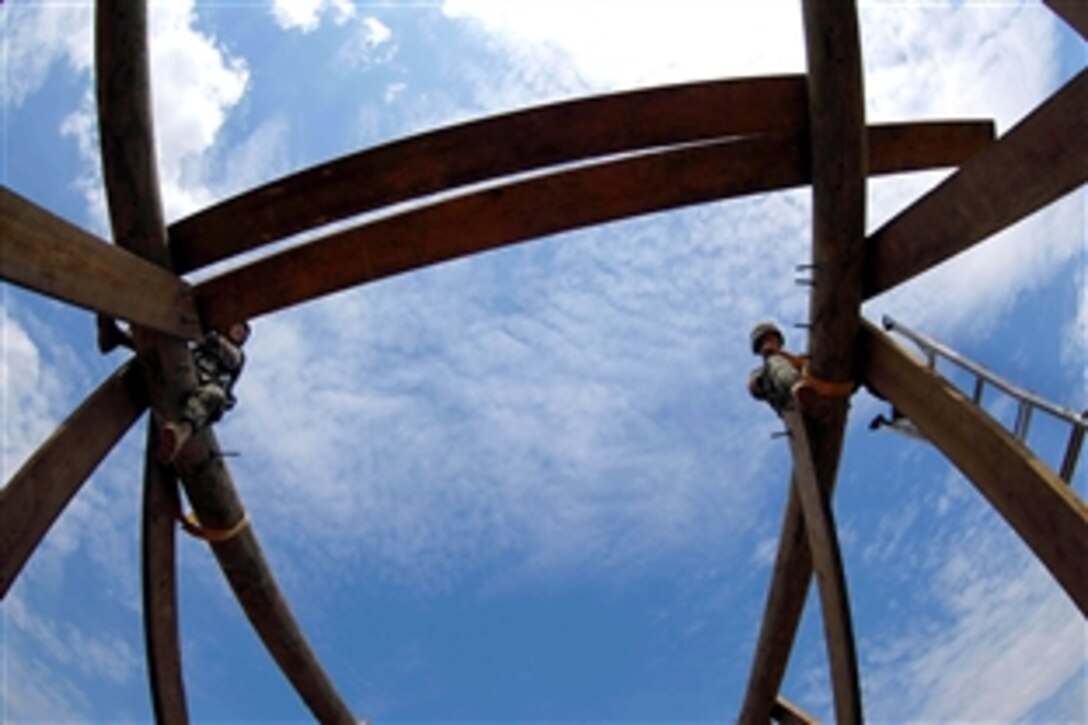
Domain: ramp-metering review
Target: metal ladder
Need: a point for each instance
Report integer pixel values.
(1027, 402)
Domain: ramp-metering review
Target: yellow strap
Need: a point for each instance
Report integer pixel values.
(192, 526)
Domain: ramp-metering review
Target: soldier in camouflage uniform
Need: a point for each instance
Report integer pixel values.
(219, 361)
(774, 381)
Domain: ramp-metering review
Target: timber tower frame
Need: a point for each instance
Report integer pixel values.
(753, 136)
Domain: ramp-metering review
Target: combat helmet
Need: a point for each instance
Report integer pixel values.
(762, 330)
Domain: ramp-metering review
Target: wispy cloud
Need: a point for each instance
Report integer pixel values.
(307, 15)
(196, 84)
(37, 35)
(987, 618)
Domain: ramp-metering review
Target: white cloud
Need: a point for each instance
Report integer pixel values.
(614, 44)
(1074, 346)
(29, 394)
(37, 35)
(195, 84)
(306, 15)
(371, 43)
(981, 615)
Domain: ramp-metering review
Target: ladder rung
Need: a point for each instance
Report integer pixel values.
(1072, 453)
(1023, 420)
(980, 383)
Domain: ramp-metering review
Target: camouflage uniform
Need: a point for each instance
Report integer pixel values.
(774, 381)
(218, 364)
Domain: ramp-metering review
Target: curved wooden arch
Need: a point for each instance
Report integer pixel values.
(768, 143)
(39, 491)
(126, 135)
(445, 159)
(159, 575)
(571, 199)
(1045, 512)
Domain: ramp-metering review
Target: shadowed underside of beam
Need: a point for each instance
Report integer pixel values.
(38, 492)
(1036, 503)
(489, 148)
(129, 168)
(48, 255)
(558, 202)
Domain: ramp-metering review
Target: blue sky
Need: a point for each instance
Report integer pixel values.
(530, 485)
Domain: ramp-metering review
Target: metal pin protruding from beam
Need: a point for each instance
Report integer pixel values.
(804, 282)
(780, 434)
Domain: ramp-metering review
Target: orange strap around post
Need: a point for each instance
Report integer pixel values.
(827, 388)
(192, 526)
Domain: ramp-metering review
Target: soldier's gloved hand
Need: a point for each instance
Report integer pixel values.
(755, 385)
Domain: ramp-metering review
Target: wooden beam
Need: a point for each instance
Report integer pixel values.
(837, 140)
(38, 492)
(1074, 12)
(788, 587)
(488, 148)
(47, 254)
(570, 199)
(1046, 513)
(1036, 163)
(840, 163)
(160, 599)
(823, 544)
(126, 134)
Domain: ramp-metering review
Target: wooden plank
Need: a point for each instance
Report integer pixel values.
(823, 544)
(570, 199)
(789, 583)
(38, 492)
(47, 254)
(488, 148)
(1046, 513)
(1074, 12)
(128, 158)
(160, 599)
(1036, 163)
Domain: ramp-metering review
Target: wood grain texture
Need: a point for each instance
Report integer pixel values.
(160, 601)
(839, 159)
(789, 581)
(40, 490)
(1034, 501)
(123, 88)
(571, 199)
(840, 163)
(488, 148)
(823, 545)
(1036, 163)
(44, 253)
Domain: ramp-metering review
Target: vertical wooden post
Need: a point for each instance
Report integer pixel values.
(838, 154)
(160, 600)
(126, 134)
